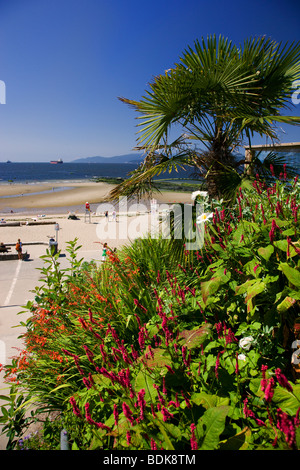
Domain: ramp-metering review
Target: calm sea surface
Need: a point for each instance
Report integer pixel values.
(43, 172)
(68, 172)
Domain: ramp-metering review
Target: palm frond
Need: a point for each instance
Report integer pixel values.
(141, 181)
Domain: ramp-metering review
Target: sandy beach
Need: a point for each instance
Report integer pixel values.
(38, 207)
(64, 196)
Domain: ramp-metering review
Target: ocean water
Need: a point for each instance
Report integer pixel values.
(44, 172)
(68, 172)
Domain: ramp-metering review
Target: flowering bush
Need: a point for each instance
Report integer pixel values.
(150, 353)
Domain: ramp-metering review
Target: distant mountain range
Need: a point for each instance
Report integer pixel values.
(129, 158)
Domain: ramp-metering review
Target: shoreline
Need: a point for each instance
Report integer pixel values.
(66, 196)
(37, 214)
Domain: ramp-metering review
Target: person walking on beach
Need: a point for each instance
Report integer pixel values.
(19, 248)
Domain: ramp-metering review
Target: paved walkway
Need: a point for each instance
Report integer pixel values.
(17, 279)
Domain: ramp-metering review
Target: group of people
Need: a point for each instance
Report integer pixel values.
(4, 249)
(106, 215)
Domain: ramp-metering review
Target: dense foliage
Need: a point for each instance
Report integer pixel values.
(160, 349)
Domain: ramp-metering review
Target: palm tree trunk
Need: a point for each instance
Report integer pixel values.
(219, 157)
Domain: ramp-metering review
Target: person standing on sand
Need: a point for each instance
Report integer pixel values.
(19, 248)
(104, 252)
(87, 211)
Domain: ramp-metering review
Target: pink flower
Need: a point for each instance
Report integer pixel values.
(169, 369)
(230, 338)
(185, 360)
(152, 411)
(187, 402)
(83, 324)
(116, 414)
(91, 316)
(141, 402)
(138, 304)
(219, 328)
(160, 398)
(127, 412)
(153, 444)
(284, 171)
(269, 389)
(134, 353)
(193, 440)
(295, 181)
(103, 353)
(75, 407)
(272, 231)
(87, 383)
(166, 414)
(282, 380)
(89, 354)
(249, 414)
(287, 425)
(91, 421)
(289, 241)
(141, 339)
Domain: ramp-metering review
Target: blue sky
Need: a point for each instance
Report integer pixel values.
(66, 62)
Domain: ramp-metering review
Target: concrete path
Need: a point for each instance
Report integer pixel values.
(17, 279)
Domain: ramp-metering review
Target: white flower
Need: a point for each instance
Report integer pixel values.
(199, 193)
(203, 218)
(242, 357)
(245, 343)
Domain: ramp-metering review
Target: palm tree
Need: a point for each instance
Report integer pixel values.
(219, 95)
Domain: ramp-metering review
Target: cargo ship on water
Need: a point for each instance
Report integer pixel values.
(55, 162)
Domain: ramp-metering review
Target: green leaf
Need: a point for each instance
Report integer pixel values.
(287, 401)
(168, 444)
(145, 381)
(238, 442)
(208, 400)
(157, 358)
(194, 338)
(266, 252)
(211, 425)
(208, 288)
(283, 246)
(292, 274)
(244, 287)
(4, 397)
(287, 303)
(255, 289)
